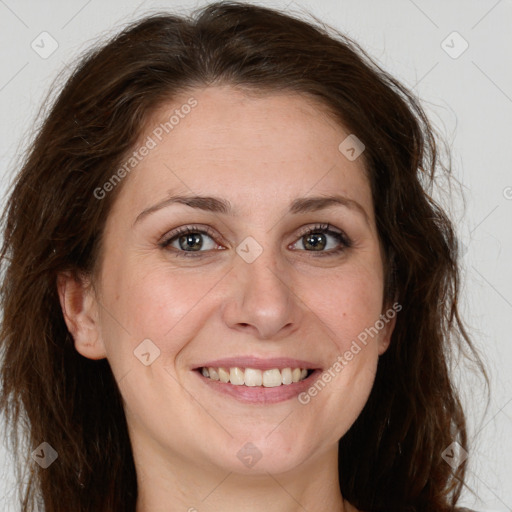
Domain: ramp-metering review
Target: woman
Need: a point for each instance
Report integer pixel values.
(236, 292)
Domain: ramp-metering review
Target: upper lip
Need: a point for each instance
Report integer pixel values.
(258, 363)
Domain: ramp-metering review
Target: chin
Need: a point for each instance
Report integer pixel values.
(261, 454)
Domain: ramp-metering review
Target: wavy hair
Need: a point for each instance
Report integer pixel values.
(391, 458)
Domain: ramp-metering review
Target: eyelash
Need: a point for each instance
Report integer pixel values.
(317, 228)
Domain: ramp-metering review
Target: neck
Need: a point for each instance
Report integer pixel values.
(165, 482)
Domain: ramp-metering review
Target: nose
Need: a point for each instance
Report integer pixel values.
(261, 300)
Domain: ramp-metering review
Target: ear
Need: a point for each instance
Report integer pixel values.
(388, 317)
(80, 310)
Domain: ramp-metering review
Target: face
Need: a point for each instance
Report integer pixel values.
(266, 275)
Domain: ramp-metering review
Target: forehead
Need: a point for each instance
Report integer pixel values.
(252, 149)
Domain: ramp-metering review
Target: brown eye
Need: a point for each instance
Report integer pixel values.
(323, 240)
(188, 240)
(191, 241)
(315, 241)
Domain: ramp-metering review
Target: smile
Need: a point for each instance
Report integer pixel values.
(255, 380)
(253, 377)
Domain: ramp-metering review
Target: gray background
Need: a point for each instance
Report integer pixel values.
(469, 99)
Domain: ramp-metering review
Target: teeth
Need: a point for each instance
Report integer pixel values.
(272, 378)
(236, 376)
(253, 377)
(213, 373)
(286, 374)
(224, 375)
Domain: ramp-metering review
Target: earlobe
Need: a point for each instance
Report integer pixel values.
(80, 311)
(387, 331)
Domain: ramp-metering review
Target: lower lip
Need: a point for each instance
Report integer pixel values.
(260, 394)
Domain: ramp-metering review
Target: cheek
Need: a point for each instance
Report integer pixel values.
(152, 302)
(348, 302)
(349, 305)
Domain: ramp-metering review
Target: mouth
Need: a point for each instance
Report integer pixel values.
(254, 377)
(257, 381)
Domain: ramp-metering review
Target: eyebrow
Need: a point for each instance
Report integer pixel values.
(223, 206)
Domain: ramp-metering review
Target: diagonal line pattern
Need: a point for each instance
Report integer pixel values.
(425, 75)
(124, 329)
(114, 318)
(14, 14)
(312, 187)
(424, 13)
(207, 292)
(509, 508)
(217, 486)
(486, 14)
(217, 216)
(122, 378)
(492, 286)
(485, 218)
(76, 14)
(14, 76)
(492, 81)
(286, 491)
(485, 426)
(199, 403)
(191, 395)
(279, 424)
(321, 321)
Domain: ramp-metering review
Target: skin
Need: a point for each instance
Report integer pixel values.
(259, 153)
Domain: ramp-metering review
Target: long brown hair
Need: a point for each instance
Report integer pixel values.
(391, 458)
